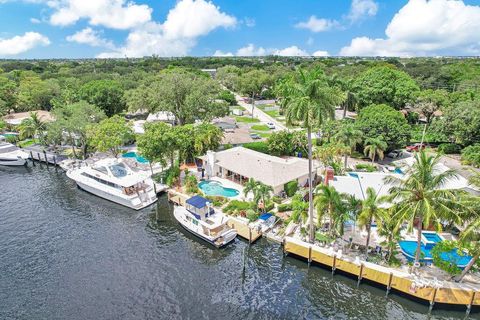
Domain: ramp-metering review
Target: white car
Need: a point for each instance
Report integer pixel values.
(271, 125)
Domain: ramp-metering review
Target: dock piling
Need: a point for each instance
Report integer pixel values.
(334, 263)
(31, 157)
(389, 286)
(360, 275)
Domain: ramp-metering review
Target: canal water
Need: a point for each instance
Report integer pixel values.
(66, 254)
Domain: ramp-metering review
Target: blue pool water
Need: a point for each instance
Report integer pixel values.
(132, 154)
(409, 248)
(398, 170)
(215, 188)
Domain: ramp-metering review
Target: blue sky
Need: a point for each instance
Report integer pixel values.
(119, 28)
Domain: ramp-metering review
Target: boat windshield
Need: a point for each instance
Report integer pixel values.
(119, 170)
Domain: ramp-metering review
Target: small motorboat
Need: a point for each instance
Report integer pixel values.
(11, 155)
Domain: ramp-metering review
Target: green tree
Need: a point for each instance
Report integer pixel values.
(430, 101)
(32, 127)
(207, 137)
(262, 193)
(8, 94)
(307, 98)
(385, 85)
(249, 186)
(375, 147)
(420, 199)
(470, 238)
(36, 94)
(287, 143)
(349, 136)
(187, 95)
(460, 122)
(371, 210)
(105, 94)
(74, 119)
(382, 120)
(252, 83)
(110, 134)
(329, 202)
(158, 143)
(389, 228)
(229, 76)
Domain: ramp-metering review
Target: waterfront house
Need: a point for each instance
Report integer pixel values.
(239, 164)
(15, 119)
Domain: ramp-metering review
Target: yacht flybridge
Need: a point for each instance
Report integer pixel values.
(114, 180)
(10, 155)
(200, 219)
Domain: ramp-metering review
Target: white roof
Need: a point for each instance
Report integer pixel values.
(351, 185)
(161, 116)
(138, 126)
(273, 171)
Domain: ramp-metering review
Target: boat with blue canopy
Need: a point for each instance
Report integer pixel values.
(201, 219)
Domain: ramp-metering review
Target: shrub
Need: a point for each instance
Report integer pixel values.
(449, 148)
(252, 215)
(191, 184)
(471, 155)
(277, 199)
(284, 207)
(217, 201)
(291, 188)
(237, 205)
(259, 146)
(269, 207)
(365, 167)
(170, 176)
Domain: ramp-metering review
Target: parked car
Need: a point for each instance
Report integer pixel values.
(271, 125)
(395, 154)
(255, 136)
(416, 147)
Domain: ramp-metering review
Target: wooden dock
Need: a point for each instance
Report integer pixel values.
(37, 154)
(445, 292)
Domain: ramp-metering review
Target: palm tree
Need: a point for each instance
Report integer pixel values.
(262, 192)
(249, 186)
(375, 147)
(371, 210)
(419, 198)
(308, 99)
(389, 227)
(31, 127)
(350, 137)
(354, 207)
(329, 201)
(475, 178)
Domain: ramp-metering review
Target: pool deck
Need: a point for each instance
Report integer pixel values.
(229, 184)
(427, 289)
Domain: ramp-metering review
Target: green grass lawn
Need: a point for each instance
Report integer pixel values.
(247, 119)
(26, 143)
(260, 127)
(264, 134)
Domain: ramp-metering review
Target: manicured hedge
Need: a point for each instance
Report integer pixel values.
(449, 148)
(259, 146)
(291, 187)
(471, 155)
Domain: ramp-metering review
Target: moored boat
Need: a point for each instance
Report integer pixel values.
(114, 180)
(11, 155)
(201, 220)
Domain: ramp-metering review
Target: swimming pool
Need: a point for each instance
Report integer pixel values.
(409, 248)
(132, 154)
(215, 188)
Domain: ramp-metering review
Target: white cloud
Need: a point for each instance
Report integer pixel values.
(115, 14)
(220, 53)
(251, 50)
(320, 53)
(424, 27)
(291, 52)
(360, 9)
(20, 44)
(90, 37)
(249, 22)
(315, 24)
(191, 19)
(185, 23)
(35, 20)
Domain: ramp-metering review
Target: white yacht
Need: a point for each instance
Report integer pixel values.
(10, 155)
(114, 180)
(201, 220)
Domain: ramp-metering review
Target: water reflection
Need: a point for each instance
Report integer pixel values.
(66, 254)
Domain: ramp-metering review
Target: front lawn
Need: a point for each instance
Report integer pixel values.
(247, 119)
(260, 127)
